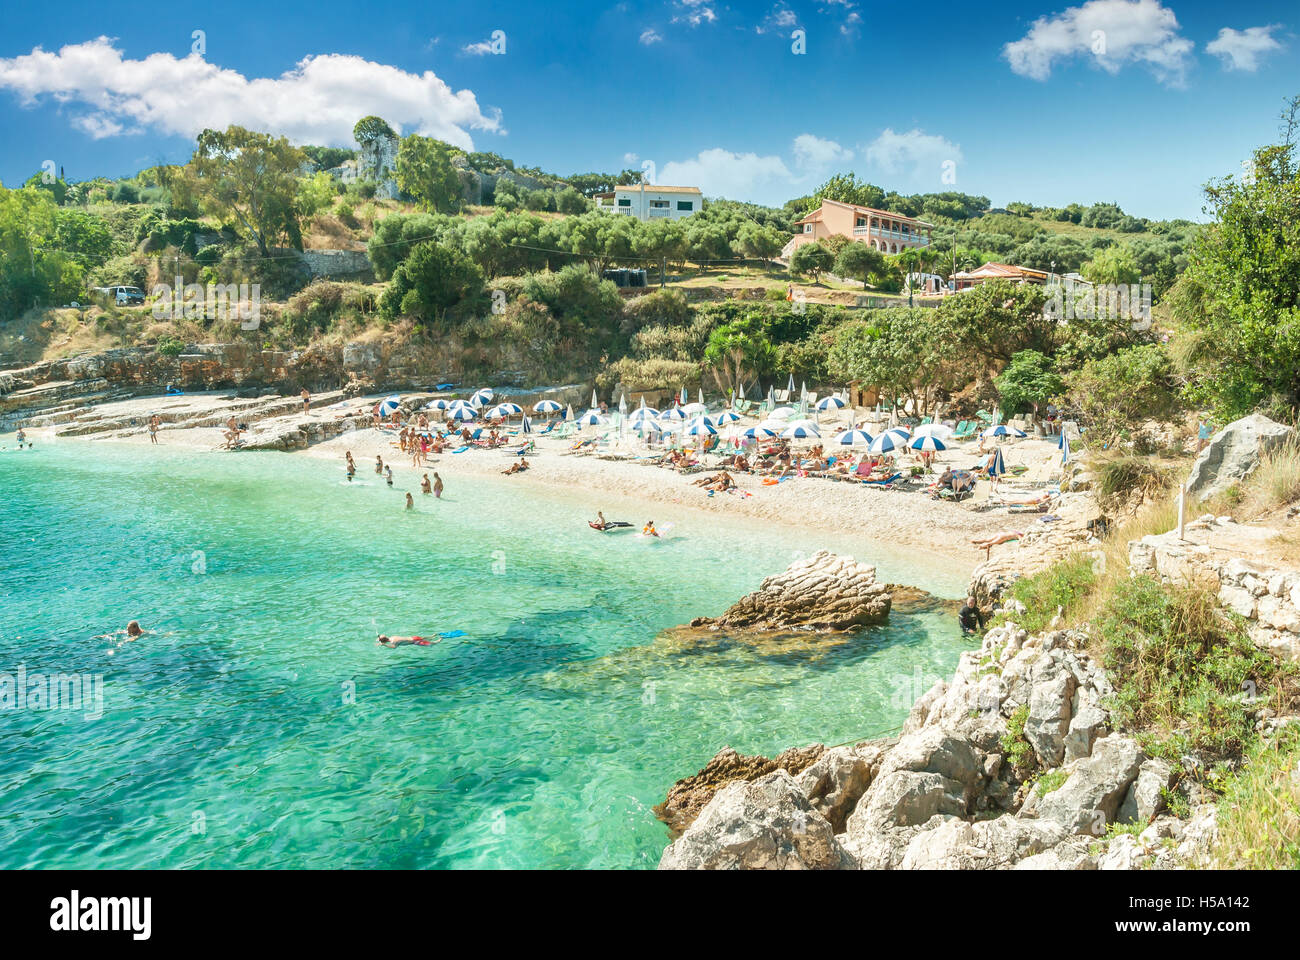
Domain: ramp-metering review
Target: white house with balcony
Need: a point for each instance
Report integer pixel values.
(651, 201)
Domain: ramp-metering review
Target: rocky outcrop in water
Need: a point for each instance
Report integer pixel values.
(966, 786)
(687, 797)
(822, 592)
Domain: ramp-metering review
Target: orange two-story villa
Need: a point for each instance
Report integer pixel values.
(887, 232)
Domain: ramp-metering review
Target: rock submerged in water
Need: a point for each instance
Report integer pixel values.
(822, 592)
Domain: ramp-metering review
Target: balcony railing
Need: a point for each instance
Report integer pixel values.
(878, 233)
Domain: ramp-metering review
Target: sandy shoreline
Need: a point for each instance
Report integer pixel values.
(900, 518)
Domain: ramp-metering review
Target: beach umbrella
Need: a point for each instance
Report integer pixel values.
(461, 405)
(527, 426)
(592, 418)
(568, 412)
(851, 437)
(830, 403)
(790, 385)
(1002, 430)
(782, 413)
(997, 466)
(928, 443)
(675, 413)
(666, 426)
(1065, 447)
(800, 429)
(760, 432)
(440, 404)
(504, 410)
(940, 430)
(901, 435)
(481, 397)
(886, 442)
(547, 406)
(694, 408)
(644, 413)
(462, 413)
(727, 416)
(683, 396)
(700, 426)
(389, 405)
(701, 396)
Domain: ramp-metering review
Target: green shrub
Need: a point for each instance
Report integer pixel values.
(1014, 744)
(1126, 476)
(170, 347)
(1058, 587)
(1187, 676)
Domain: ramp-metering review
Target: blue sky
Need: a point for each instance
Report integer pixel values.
(1135, 101)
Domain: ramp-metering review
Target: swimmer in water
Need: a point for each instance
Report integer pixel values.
(352, 467)
(133, 631)
(437, 485)
(391, 642)
(410, 502)
(388, 475)
(22, 438)
(425, 487)
(649, 529)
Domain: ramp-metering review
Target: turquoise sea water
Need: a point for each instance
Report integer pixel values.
(260, 726)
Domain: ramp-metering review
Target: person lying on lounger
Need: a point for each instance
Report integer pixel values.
(988, 543)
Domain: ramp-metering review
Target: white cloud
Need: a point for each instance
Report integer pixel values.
(631, 158)
(1243, 49)
(649, 35)
(1112, 33)
(318, 101)
(695, 12)
(815, 156)
(721, 173)
(779, 17)
(911, 158)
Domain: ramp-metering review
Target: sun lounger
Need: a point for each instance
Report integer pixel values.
(888, 481)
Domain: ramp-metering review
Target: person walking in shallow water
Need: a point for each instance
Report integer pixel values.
(437, 485)
(410, 501)
(425, 487)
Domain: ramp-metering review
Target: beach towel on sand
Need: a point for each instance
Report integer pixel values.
(461, 449)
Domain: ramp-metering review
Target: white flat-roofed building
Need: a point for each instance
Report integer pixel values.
(651, 201)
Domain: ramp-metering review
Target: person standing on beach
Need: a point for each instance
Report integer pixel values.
(306, 400)
(437, 485)
(153, 428)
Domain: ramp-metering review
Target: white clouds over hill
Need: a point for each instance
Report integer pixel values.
(318, 101)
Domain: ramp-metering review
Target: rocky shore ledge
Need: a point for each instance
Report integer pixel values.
(822, 592)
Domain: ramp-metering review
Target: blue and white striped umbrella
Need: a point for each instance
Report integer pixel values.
(701, 426)
(504, 410)
(830, 403)
(456, 405)
(802, 428)
(462, 413)
(673, 413)
(389, 404)
(1002, 430)
(725, 417)
(481, 397)
(760, 432)
(442, 403)
(547, 406)
(887, 442)
(591, 418)
(644, 413)
(901, 434)
(928, 443)
(526, 426)
(997, 466)
(1065, 447)
(851, 437)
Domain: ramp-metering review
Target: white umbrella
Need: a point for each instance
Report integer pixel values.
(727, 416)
(439, 404)
(694, 408)
(644, 413)
(568, 412)
(830, 403)
(761, 431)
(782, 413)
(594, 402)
(547, 406)
(850, 438)
(389, 404)
(667, 426)
(504, 410)
(526, 425)
(673, 413)
(481, 397)
(940, 430)
(592, 418)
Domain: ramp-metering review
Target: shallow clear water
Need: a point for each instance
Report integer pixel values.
(261, 726)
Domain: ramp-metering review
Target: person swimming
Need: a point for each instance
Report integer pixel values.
(133, 631)
(649, 529)
(395, 641)
(22, 438)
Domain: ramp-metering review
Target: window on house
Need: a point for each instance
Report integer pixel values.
(685, 205)
(807, 228)
(624, 202)
(659, 204)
